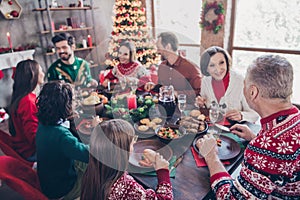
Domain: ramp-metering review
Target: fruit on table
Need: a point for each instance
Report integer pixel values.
(149, 102)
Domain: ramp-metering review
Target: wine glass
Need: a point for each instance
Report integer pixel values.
(181, 103)
(133, 85)
(122, 81)
(222, 111)
(214, 112)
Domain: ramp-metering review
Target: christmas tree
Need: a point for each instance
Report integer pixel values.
(130, 24)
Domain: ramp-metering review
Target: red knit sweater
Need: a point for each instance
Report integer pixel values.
(127, 188)
(25, 122)
(271, 168)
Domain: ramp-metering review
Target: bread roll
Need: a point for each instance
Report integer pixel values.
(150, 154)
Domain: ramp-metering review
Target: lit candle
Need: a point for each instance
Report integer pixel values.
(131, 101)
(90, 43)
(9, 40)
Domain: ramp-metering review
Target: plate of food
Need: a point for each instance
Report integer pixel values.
(193, 125)
(146, 126)
(228, 148)
(138, 159)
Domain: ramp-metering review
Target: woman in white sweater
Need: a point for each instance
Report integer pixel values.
(223, 85)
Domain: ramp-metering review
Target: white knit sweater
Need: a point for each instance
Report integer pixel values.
(233, 98)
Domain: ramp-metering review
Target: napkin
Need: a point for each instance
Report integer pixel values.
(3, 115)
(200, 162)
(172, 170)
(224, 122)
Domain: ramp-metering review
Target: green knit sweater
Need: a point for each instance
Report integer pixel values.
(56, 150)
(77, 73)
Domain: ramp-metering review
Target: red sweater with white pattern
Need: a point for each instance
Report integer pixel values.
(271, 167)
(127, 188)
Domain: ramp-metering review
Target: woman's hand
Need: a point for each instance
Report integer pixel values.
(242, 131)
(200, 101)
(234, 115)
(156, 159)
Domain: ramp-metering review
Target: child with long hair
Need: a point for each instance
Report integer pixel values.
(106, 177)
(23, 122)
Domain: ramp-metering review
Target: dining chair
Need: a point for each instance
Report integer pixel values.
(21, 178)
(6, 147)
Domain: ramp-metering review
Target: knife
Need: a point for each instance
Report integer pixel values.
(176, 163)
(224, 128)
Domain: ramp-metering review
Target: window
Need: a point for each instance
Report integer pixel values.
(181, 19)
(264, 27)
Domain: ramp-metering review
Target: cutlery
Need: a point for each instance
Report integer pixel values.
(224, 128)
(176, 164)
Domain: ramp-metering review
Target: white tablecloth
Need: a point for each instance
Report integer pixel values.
(9, 60)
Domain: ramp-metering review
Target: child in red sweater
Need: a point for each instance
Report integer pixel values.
(23, 121)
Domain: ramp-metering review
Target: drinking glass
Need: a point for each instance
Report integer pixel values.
(214, 112)
(122, 81)
(133, 85)
(222, 111)
(181, 103)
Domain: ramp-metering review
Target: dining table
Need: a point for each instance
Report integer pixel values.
(192, 182)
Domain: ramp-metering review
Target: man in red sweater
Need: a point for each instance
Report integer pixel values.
(271, 167)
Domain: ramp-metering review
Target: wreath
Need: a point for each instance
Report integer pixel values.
(216, 24)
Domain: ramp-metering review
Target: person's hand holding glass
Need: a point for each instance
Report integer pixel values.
(181, 103)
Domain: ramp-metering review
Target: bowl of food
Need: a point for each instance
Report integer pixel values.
(169, 132)
(92, 104)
